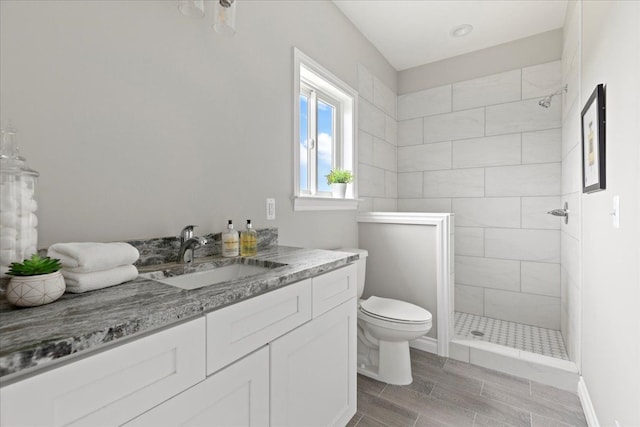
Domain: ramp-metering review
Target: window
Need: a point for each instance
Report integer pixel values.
(324, 137)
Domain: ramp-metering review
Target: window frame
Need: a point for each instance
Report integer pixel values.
(310, 76)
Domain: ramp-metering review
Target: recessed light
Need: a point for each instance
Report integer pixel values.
(461, 30)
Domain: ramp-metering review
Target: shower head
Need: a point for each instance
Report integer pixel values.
(546, 101)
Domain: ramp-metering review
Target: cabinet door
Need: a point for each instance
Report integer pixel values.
(236, 396)
(313, 371)
(240, 328)
(111, 387)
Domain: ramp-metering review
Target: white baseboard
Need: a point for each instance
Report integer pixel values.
(430, 345)
(587, 406)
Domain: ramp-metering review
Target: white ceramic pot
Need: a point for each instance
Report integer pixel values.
(31, 291)
(339, 190)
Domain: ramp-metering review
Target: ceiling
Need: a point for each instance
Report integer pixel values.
(415, 32)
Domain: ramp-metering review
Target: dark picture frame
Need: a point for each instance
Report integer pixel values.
(593, 142)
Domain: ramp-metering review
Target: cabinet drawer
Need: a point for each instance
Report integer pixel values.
(241, 328)
(111, 387)
(334, 288)
(236, 396)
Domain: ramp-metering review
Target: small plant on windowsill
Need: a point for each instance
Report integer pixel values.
(338, 179)
(35, 281)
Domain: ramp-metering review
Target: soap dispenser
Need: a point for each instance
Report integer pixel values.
(230, 241)
(249, 241)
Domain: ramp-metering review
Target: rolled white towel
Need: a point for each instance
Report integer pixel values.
(83, 282)
(88, 257)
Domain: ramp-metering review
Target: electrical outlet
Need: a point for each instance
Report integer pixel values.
(271, 209)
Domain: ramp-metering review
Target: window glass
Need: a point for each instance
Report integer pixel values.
(304, 138)
(326, 132)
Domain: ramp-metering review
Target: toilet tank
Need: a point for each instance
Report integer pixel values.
(361, 265)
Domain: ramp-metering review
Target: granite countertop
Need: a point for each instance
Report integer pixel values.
(36, 338)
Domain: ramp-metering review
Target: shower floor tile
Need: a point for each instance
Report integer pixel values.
(547, 342)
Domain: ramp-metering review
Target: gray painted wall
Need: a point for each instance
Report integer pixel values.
(538, 49)
(141, 120)
(610, 43)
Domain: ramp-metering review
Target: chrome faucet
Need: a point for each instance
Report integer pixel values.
(188, 242)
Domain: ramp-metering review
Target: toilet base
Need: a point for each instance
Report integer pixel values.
(394, 363)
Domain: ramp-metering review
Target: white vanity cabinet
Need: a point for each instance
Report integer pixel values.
(111, 387)
(283, 358)
(236, 396)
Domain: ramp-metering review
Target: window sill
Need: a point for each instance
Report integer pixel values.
(323, 204)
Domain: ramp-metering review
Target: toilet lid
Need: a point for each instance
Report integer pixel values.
(395, 310)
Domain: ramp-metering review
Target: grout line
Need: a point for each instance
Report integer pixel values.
(416, 420)
(383, 389)
(475, 415)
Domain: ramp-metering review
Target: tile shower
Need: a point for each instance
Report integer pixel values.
(485, 150)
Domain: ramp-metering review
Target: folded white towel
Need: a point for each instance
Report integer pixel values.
(88, 257)
(83, 282)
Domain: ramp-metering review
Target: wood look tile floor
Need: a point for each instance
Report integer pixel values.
(446, 392)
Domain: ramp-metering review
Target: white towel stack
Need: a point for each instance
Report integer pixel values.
(88, 266)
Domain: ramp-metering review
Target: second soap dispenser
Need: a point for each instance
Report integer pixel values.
(249, 241)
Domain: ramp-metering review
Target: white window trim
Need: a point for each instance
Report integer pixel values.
(349, 135)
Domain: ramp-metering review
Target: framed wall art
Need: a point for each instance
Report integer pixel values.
(593, 142)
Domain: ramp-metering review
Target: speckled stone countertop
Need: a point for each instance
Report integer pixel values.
(36, 338)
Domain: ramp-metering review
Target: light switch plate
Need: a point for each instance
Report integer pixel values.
(271, 209)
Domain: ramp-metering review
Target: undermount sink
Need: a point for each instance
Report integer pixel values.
(216, 275)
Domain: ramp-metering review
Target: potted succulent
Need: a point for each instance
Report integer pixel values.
(35, 281)
(338, 179)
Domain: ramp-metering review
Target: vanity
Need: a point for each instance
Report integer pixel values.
(274, 349)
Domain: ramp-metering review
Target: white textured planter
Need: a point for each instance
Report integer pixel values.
(31, 291)
(339, 191)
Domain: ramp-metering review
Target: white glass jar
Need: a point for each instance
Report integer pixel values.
(18, 206)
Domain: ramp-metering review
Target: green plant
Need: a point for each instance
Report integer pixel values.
(34, 266)
(339, 176)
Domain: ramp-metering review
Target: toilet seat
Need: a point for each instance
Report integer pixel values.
(395, 311)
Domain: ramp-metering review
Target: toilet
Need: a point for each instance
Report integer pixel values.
(385, 327)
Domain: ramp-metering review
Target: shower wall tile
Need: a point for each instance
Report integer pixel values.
(525, 180)
(365, 83)
(494, 89)
(469, 299)
(424, 157)
(536, 310)
(522, 116)
(371, 181)
(571, 257)
(391, 130)
(365, 148)
(424, 205)
(410, 132)
(458, 125)
(572, 81)
(424, 103)
(487, 151)
(534, 212)
(384, 155)
(571, 130)
(385, 205)
(454, 183)
(383, 97)
(487, 212)
(542, 80)
(573, 226)
(469, 241)
(488, 273)
(540, 278)
(572, 171)
(525, 245)
(390, 184)
(410, 185)
(542, 147)
(372, 119)
(365, 204)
